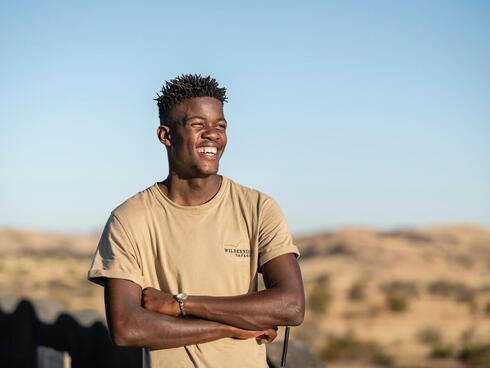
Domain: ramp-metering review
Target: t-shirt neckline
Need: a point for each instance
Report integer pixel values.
(209, 204)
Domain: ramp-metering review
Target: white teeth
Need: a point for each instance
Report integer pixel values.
(211, 150)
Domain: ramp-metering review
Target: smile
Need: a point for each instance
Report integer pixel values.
(208, 151)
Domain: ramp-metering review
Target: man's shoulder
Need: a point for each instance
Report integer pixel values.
(136, 205)
(245, 193)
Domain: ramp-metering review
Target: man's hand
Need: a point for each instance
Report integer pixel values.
(267, 336)
(263, 337)
(158, 301)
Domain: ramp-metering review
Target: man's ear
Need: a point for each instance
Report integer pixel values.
(163, 133)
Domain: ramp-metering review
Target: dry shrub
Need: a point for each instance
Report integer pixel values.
(319, 296)
(487, 308)
(456, 290)
(350, 315)
(400, 287)
(357, 291)
(485, 288)
(467, 336)
(397, 294)
(443, 352)
(429, 335)
(348, 347)
(476, 356)
(396, 303)
(323, 281)
(319, 300)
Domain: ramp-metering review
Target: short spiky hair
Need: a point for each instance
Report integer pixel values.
(184, 87)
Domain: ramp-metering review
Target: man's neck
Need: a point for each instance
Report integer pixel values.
(190, 192)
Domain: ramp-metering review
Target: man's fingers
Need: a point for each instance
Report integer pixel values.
(267, 336)
(151, 299)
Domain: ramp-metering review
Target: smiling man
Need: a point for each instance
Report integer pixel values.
(180, 261)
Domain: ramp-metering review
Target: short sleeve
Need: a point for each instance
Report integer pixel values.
(116, 255)
(274, 236)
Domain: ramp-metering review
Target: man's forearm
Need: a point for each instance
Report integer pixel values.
(149, 329)
(158, 331)
(261, 310)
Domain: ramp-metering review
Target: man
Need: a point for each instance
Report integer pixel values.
(179, 261)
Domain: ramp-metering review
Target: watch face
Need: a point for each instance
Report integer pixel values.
(181, 296)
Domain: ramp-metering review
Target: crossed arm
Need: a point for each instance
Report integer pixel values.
(149, 317)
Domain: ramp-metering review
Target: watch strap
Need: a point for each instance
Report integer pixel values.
(181, 305)
(180, 299)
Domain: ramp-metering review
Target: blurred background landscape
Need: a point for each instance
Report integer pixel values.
(405, 298)
(368, 122)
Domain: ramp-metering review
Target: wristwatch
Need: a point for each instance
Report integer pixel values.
(180, 299)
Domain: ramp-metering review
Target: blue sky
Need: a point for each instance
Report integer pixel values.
(347, 113)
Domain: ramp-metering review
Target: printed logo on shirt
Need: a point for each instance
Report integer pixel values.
(234, 250)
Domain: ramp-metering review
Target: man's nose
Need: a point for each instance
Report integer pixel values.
(211, 133)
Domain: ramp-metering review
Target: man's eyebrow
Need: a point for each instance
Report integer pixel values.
(195, 117)
(203, 118)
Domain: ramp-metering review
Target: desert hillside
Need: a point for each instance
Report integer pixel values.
(21, 242)
(415, 294)
(406, 298)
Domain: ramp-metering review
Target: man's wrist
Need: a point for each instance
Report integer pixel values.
(181, 298)
(228, 330)
(176, 308)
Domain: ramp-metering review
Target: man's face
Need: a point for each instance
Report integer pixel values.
(197, 137)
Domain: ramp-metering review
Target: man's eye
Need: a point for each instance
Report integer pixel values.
(197, 124)
(222, 126)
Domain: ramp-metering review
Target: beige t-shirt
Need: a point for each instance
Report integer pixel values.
(213, 249)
